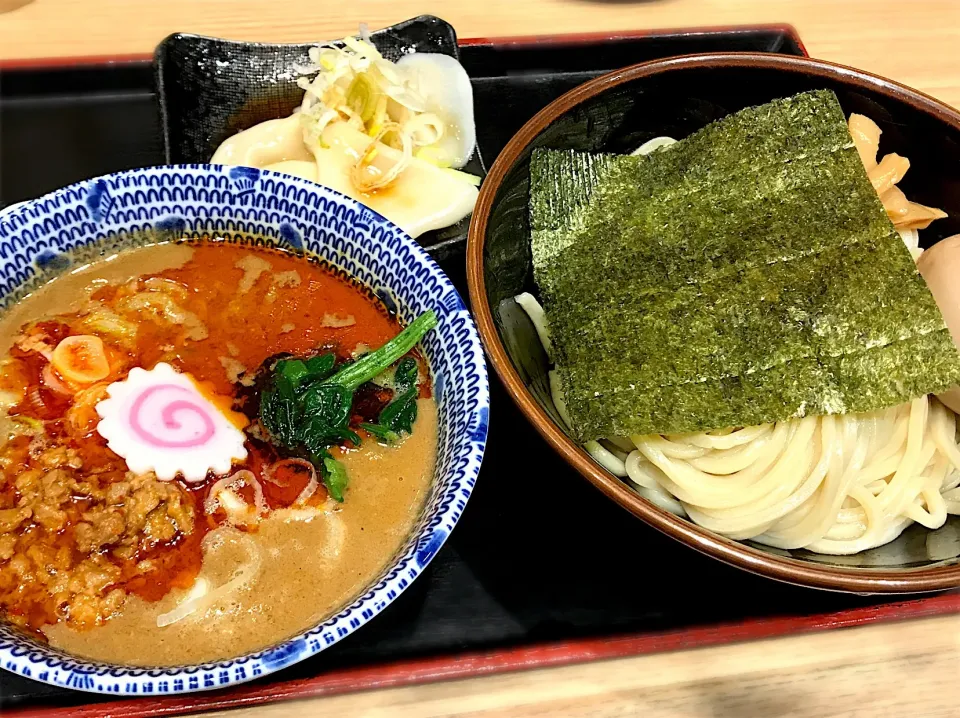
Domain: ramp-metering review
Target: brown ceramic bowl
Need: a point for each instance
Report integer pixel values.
(617, 113)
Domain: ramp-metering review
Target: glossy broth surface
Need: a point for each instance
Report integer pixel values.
(217, 311)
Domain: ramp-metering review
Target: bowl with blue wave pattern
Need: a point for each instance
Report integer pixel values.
(42, 238)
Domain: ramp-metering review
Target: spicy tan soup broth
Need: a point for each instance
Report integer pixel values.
(91, 555)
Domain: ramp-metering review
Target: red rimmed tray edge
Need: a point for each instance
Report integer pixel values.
(585, 38)
(520, 40)
(484, 663)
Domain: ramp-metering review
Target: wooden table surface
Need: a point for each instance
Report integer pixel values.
(914, 41)
(910, 668)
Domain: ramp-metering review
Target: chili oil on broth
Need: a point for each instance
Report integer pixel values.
(251, 303)
(309, 569)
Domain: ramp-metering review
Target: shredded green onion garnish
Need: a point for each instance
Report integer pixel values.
(355, 84)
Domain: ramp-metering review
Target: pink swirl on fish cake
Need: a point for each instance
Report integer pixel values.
(159, 421)
(147, 427)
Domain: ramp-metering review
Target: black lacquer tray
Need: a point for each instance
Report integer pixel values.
(530, 576)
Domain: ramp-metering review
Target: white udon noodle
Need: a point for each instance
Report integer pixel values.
(829, 484)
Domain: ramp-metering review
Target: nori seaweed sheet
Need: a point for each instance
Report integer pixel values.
(746, 274)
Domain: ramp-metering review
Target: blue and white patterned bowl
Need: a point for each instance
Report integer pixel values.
(176, 201)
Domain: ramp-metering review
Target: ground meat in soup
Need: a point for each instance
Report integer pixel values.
(92, 553)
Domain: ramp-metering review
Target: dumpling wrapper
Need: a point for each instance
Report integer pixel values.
(422, 198)
(304, 169)
(445, 87)
(264, 144)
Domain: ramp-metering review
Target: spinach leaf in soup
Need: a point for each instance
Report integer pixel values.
(306, 404)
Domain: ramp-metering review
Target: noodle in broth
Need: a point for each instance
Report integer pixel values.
(102, 560)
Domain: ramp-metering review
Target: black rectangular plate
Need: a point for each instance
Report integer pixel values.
(210, 88)
(538, 555)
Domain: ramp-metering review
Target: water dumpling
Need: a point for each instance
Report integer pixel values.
(264, 144)
(391, 135)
